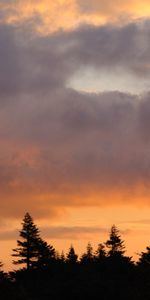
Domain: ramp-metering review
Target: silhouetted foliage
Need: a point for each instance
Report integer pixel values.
(114, 243)
(144, 259)
(45, 254)
(88, 256)
(48, 275)
(71, 256)
(62, 257)
(101, 253)
(2, 274)
(32, 250)
(27, 251)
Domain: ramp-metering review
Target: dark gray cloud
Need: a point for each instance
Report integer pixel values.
(112, 47)
(44, 64)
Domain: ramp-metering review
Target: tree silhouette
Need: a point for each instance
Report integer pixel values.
(45, 253)
(71, 256)
(115, 243)
(27, 250)
(62, 257)
(87, 257)
(100, 252)
(104, 275)
(32, 250)
(1, 265)
(1, 271)
(144, 259)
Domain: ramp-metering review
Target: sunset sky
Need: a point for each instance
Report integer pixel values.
(75, 121)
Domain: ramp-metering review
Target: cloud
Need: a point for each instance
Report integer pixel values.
(110, 47)
(140, 222)
(51, 16)
(115, 8)
(43, 65)
(62, 148)
(44, 17)
(75, 232)
(8, 235)
(62, 233)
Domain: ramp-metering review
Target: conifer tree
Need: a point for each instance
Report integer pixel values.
(27, 251)
(100, 252)
(45, 253)
(3, 275)
(71, 256)
(115, 243)
(32, 250)
(1, 265)
(144, 259)
(57, 255)
(62, 257)
(1, 268)
(88, 256)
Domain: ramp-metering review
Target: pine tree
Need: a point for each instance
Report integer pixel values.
(27, 251)
(71, 256)
(88, 256)
(1, 266)
(144, 259)
(100, 253)
(114, 243)
(45, 253)
(62, 257)
(1, 269)
(32, 250)
(3, 275)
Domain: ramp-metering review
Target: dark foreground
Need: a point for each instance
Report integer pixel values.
(105, 280)
(106, 274)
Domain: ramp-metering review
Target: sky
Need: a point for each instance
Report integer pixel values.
(74, 121)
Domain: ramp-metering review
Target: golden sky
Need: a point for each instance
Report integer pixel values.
(74, 130)
(67, 14)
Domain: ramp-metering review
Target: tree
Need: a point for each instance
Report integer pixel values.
(32, 250)
(71, 256)
(62, 257)
(27, 250)
(114, 243)
(45, 253)
(144, 259)
(2, 274)
(100, 252)
(88, 256)
(1, 266)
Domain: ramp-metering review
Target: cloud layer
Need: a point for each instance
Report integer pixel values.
(61, 147)
(62, 233)
(50, 16)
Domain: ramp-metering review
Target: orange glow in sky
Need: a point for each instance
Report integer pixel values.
(74, 111)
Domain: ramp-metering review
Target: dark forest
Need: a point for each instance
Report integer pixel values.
(44, 274)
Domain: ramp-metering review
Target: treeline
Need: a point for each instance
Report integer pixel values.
(44, 274)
